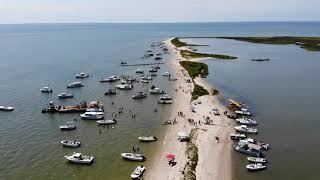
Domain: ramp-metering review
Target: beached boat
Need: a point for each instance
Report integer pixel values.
(147, 138)
(243, 113)
(68, 126)
(92, 115)
(245, 149)
(156, 91)
(148, 78)
(259, 144)
(78, 158)
(73, 144)
(183, 136)
(6, 108)
(237, 137)
(256, 167)
(46, 90)
(245, 129)
(248, 122)
(107, 122)
(137, 173)
(110, 79)
(139, 95)
(82, 75)
(256, 160)
(139, 71)
(75, 85)
(216, 111)
(133, 157)
(172, 79)
(166, 74)
(167, 122)
(166, 97)
(65, 95)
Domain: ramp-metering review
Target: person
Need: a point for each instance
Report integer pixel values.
(99, 131)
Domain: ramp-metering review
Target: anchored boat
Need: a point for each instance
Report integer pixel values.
(82, 75)
(46, 90)
(73, 144)
(107, 122)
(147, 138)
(78, 158)
(75, 85)
(133, 157)
(6, 108)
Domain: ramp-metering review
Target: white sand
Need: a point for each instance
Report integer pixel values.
(214, 158)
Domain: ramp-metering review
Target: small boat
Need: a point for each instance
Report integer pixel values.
(68, 126)
(172, 79)
(138, 172)
(158, 58)
(167, 122)
(260, 60)
(110, 92)
(78, 158)
(107, 122)
(245, 149)
(139, 95)
(251, 141)
(124, 86)
(50, 109)
(256, 167)
(6, 108)
(166, 97)
(248, 122)
(65, 95)
(144, 81)
(133, 157)
(232, 116)
(155, 67)
(75, 85)
(153, 70)
(256, 160)
(82, 75)
(46, 90)
(94, 110)
(156, 91)
(166, 74)
(139, 71)
(148, 78)
(153, 74)
(110, 79)
(245, 129)
(244, 113)
(123, 62)
(92, 115)
(147, 138)
(165, 102)
(73, 144)
(237, 137)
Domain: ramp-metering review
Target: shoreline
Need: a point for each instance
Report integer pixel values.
(214, 159)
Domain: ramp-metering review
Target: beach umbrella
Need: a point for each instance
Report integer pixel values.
(170, 156)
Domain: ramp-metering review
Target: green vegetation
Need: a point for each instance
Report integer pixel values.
(195, 68)
(176, 42)
(192, 155)
(214, 92)
(198, 91)
(308, 43)
(190, 55)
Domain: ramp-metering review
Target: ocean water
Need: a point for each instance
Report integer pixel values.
(282, 92)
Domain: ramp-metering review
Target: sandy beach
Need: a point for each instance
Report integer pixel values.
(214, 160)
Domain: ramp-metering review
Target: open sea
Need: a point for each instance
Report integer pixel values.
(282, 93)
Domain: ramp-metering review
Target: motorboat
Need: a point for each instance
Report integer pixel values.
(139, 71)
(243, 113)
(158, 58)
(75, 85)
(46, 90)
(50, 109)
(153, 74)
(165, 102)
(133, 157)
(73, 144)
(123, 63)
(79, 158)
(166, 97)
(68, 126)
(256, 167)
(65, 95)
(110, 92)
(138, 172)
(92, 115)
(148, 78)
(158, 53)
(256, 160)
(166, 74)
(167, 122)
(156, 91)
(246, 149)
(252, 142)
(237, 137)
(6, 108)
(107, 122)
(124, 86)
(245, 129)
(147, 138)
(153, 70)
(248, 122)
(139, 95)
(94, 110)
(110, 79)
(144, 81)
(82, 75)
(172, 79)
(155, 67)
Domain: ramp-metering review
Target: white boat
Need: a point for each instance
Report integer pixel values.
(251, 141)
(144, 81)
(248, 122)
(138, 172)
(256, 167)
(133, 157)
(73, 144)
(156, 91)
(248, 150)
(139, 95)
(65, 95)
(75, 85)
(107, 122)
(256, 160)
(166, 74)
(246, 113)
(245, 129)
(78, 158)
(82, 75)
(153, 70)
(92, 115)
(148, 78)
(139, 71)
(124, 86)
(147, 138)
(237, 137)
(6, 108)
(166, 97)
(68, 126)
(46, 90)
(110, 79)
(94, 110)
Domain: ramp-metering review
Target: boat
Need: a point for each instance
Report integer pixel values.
(144, 81)
(139, 95)
(165, 102)
(156, 91)
(245, 149)
(158, 53)
(153, 74)
(237, 137)
(107, 122)
(138, 172)
(232, 116)
(155, 67)
(75, 85)
(245, 129)
(92, 115)
(68, 126)
(133, 157)
(124, 86)
(110, 92)
(78, 158)
(253, 142)
(73, 144)
(148, 78)
(153, 70)
(147, 138)
(248, 122)
(110, 79)
(260, 60)
(46, 90)
(65, 95)
(243, 113)
(82, 75)
(123, 63)
(256, 160)
(166, 97)
(166, 74)
(158, 58)
(256, 167)
(139, 71)
(50, 109)
(6, 108)
(94, 110)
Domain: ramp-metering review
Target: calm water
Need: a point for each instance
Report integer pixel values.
(282, 92)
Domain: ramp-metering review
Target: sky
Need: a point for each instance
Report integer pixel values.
(155, 11)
